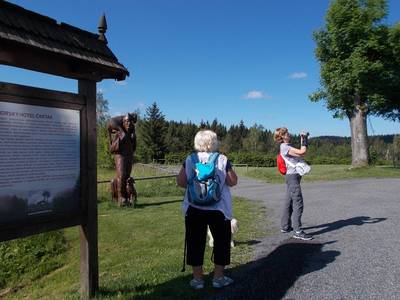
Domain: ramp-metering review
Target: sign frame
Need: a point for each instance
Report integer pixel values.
(20, 94)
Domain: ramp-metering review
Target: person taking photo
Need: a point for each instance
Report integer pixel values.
(293, 206)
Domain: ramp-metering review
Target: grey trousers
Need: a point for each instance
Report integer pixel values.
(293, 205)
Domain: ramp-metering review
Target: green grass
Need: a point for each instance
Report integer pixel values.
(145, 188)
(24, 260)
(321, 173)
(141, 250)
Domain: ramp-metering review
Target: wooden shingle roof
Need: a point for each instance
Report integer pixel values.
(73, 52)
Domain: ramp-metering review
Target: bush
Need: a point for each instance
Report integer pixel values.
(255, 159)
(328, 160)
(104, 158)
(32, 257)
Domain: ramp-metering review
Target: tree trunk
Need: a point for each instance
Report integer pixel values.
(359, 135)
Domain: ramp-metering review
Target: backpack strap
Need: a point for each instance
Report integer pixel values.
(288, 162)
(213, 158)
(195, 158)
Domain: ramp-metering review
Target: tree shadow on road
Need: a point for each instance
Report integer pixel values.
(356, 221)
(272, 276)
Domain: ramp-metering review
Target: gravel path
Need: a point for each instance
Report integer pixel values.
(355, 253)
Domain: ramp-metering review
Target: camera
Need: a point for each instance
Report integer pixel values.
(304, 133)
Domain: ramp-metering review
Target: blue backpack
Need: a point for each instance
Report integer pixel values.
(203, 185)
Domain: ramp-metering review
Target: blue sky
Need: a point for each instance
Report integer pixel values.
(231, 60)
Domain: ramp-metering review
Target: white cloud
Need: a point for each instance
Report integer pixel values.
(298, 75)
(255, 95)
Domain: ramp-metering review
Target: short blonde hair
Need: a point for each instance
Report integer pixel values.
(279, 133)
(206, 141)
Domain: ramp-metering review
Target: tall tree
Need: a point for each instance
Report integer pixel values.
(153, 130)
(102, 114)
(253, 142)
(360, 67)
(104, 157)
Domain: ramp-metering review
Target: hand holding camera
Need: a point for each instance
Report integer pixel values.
(304, 133)
(304, 138)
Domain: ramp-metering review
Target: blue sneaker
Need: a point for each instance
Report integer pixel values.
(197, 284)
(221, 282)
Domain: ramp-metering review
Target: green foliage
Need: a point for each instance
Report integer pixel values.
(255, 144)
(179, 137)
(27, 259)
(234, 138)
(104, 158)
(101, 109)
(359, 58)
(360, 67)
(256, 138)
(396, 151)
(151, 134)
(252, 159)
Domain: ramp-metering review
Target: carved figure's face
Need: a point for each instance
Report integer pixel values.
(128, 125)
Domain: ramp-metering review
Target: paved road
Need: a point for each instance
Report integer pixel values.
(355, 253)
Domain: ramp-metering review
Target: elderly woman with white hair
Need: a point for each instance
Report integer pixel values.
(217, 215)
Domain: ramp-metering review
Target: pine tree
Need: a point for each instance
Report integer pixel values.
(153, 131)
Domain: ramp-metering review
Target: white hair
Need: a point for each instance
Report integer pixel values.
(206, 141)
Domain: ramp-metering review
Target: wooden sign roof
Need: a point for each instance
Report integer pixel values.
(36, 42)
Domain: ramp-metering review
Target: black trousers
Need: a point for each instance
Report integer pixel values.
(196, 222)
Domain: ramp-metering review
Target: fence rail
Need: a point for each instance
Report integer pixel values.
(142, 178)
(165, 170)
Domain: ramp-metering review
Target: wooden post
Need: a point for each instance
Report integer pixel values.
(88, 230)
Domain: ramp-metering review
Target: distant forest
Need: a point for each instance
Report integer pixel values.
(163, 141)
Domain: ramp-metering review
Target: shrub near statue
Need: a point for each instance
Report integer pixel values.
(121, 130)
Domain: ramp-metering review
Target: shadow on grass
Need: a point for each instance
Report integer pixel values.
(112, 205)
(356, 221)
(249, 242)
(143, 205)
(267, 278)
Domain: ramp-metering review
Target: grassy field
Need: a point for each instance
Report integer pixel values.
(141, 249)
(321, 173)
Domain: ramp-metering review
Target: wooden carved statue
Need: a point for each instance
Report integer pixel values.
(122, 136)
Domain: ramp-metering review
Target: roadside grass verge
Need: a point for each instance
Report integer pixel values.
(322, 173)
(141, 251)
